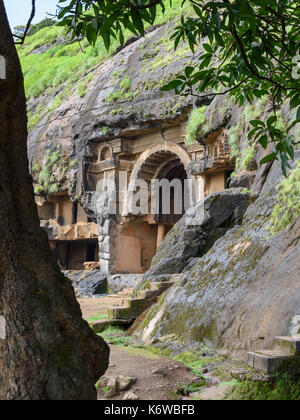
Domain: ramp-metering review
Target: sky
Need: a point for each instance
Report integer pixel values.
(18, 11)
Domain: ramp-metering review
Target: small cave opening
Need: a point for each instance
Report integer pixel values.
(71, 255)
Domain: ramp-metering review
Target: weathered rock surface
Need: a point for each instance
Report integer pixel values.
(118, 282)
(130, 396)
(241, 294)
(196, 232)
(78, 231)
(107, 110)
(244, 180)
(88, 283)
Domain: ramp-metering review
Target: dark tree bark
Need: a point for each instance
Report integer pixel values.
(49, 352)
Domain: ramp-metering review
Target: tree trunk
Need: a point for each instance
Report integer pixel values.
(49, 352)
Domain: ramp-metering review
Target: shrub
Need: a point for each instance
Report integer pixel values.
(193, 128)
(56, 164)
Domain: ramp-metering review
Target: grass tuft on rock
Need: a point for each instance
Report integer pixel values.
(287, 208)
(193, 128)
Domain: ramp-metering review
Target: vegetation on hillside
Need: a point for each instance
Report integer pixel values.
(195, 122)
(251, 50)
(19, 31)
(52, 176)
(55, 65)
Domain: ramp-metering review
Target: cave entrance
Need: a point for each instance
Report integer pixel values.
(173, 171)
(71, 255)
(134, 242)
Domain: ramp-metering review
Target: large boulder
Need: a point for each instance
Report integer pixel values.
(197, 231)
(88, 283)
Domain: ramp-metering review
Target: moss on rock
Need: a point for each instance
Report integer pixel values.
(287, 208)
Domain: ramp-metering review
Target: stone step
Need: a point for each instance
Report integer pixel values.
(288, 345)
(113, 313)
(131, 311)
(268, 360)
(133, 307)
(154, 288)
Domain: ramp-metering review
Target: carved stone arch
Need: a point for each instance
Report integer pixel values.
(105, 153)
(148, 164)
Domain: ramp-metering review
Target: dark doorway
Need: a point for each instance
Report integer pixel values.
(173, 170)
(91, 252)
(75, 213)
(228, 177)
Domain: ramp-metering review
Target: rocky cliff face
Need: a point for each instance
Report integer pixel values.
(122, 98)
(241, 285)
(242, 293)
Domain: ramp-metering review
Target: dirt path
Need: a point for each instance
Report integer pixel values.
(157, 378)
(154, 377)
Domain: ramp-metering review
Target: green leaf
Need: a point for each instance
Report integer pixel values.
(172, 85)
(255, 123)
(271, 121)
(208, 48)
(188, 71)
(268, 158)
(91, 34)
(263, 141)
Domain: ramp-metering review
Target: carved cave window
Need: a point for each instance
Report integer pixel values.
(105, 154)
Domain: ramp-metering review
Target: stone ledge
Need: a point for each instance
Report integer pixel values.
(100, 326)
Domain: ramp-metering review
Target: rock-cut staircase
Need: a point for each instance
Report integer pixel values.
(284, 355)
(133, 306)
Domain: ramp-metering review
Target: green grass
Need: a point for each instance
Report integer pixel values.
(65, 66)
(187, 389)
(193, 128)
(194, 361)
(81, 89)
(282, 389)
(51, 178)
(116, 336)
(248, 162)
(99, 317)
